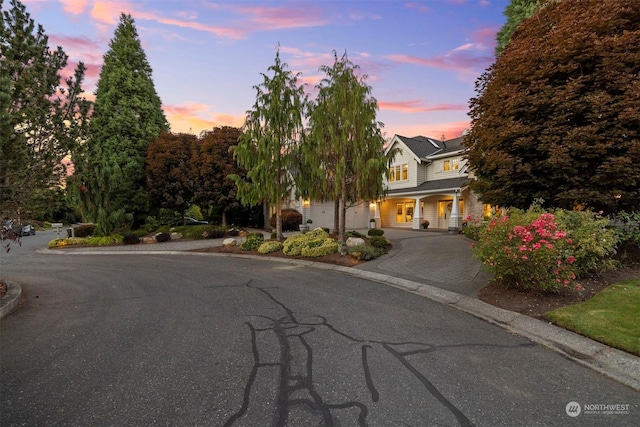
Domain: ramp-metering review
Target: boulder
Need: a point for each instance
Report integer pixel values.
(229, 242)
(354, 241)
(176, 236)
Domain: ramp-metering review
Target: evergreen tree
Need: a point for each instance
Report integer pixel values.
(557, 116)
(343, 154)
(42, 117)
(126, 117)
(270, 138)
(516, 12)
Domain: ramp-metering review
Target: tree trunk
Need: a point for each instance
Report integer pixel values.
(224, 218)
(265, 213)
(343, 223)
(336, 215)
(279, 235)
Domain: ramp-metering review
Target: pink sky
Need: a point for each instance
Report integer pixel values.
(421, 57)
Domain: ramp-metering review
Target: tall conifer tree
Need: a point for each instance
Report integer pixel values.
(127, 116)
(42, 116)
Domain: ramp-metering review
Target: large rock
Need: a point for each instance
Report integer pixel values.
(354, 241)
(229, 242)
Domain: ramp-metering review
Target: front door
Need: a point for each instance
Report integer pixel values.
(444, 213)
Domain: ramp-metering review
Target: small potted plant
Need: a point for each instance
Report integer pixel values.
(425, 224)
(372, 223)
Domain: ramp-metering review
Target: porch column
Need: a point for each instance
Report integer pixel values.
(454, 222)
(417, 215)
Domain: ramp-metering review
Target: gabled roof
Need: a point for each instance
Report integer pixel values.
(423, 147)
(420, 146)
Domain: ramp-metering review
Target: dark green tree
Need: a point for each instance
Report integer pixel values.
(557, 116)
(516, 12)
(270, 139)
(342, 155)
(214, 163)
(126, 117)
(171, 172)
(42, 116)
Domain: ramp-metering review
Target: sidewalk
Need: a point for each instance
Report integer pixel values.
(436, 265)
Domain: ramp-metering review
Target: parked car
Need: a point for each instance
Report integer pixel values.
(191, 221)
(28, 230)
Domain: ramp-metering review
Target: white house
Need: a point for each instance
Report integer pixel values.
(429, 181)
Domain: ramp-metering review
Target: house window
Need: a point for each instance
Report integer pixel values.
(449, 165)
(404, 212)
(399, 173)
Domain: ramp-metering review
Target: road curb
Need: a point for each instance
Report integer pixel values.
(613, 363)
(11, 299)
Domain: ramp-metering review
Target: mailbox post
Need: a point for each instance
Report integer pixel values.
(56, 226)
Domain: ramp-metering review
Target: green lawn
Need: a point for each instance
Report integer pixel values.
(612, 316)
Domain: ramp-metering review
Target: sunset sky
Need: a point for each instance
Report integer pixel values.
(422, 58)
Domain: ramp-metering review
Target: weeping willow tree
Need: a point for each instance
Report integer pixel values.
(343, 148)
(268, 145)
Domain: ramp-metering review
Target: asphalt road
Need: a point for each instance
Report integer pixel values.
(186, 340)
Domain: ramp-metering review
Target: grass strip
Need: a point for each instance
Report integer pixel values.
(612, 316)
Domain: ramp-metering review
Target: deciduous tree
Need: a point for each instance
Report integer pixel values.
(127, 116)
(42, 115)
(557, 116)
(214, 163)
(270, 137)
(171, 171)
(343, 151)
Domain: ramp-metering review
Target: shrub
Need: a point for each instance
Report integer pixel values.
(379, 241)
(105, 240)
(140, 232)
(364, 252)
(312, 244)
(151, 224)
(83, 230)
(233, 232)
(594, 243)
(131, 239)
(325, 229)
(291, 219)
(252, 242)
(163, 237)
(70, 241)
(274, 235)
(354, 233)
(269, 247)
(541, 250)
(473, 227)
(375, 232)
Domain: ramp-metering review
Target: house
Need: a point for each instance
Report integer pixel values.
(429, 181)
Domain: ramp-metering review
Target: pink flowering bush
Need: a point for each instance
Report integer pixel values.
(535, 250)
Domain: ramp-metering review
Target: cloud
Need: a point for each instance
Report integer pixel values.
(448, 130)
(75, 7)
(277, 18)
(195, 118)
(420, 7)
(417, 106)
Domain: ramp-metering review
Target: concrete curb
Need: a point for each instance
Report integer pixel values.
(11, 298)
(613, 363)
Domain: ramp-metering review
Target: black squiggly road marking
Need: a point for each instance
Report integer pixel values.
(291, 332)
